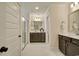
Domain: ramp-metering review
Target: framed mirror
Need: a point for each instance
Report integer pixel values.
(74, 22)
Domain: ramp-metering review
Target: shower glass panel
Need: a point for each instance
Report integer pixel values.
(23, 31)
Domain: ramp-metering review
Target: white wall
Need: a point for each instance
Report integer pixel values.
(57, 12)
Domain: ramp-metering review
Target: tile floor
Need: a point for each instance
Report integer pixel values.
(40, 50)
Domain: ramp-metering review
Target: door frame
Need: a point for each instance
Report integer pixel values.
(47, 32)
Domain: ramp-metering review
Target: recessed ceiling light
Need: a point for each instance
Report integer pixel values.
(36, 7)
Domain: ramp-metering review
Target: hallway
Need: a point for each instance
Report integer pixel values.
(40, 49)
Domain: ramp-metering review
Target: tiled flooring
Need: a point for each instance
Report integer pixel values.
(40, 50)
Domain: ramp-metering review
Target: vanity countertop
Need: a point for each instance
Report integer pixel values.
(70, 35)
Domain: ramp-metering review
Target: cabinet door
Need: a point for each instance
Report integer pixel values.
(42, 37)
(37, 37)
(62, 44)
(73, 48)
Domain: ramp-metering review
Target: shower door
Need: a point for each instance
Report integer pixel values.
(24, 33)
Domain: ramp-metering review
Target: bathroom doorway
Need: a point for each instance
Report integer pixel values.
(38, 28)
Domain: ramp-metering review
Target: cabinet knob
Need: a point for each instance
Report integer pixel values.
(19, 35)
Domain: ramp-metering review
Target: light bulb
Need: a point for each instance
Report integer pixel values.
(71, 5)
(23, 19)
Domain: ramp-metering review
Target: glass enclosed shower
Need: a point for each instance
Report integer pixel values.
(23, 33)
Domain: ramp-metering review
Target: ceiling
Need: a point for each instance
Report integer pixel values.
(43, 6)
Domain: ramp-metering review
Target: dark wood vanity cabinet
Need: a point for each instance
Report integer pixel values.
(62, 44)
(37, 37)
(68, 46)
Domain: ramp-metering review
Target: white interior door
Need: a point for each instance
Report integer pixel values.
(2, 29)
(10, 29)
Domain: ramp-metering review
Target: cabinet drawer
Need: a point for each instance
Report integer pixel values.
(75, 41)
(67, 39)
(37, 37)
(72, 50)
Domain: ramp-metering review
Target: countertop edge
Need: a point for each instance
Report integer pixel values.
(70, 35)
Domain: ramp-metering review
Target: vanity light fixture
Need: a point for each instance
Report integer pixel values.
(76, 3)
(72, 5)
